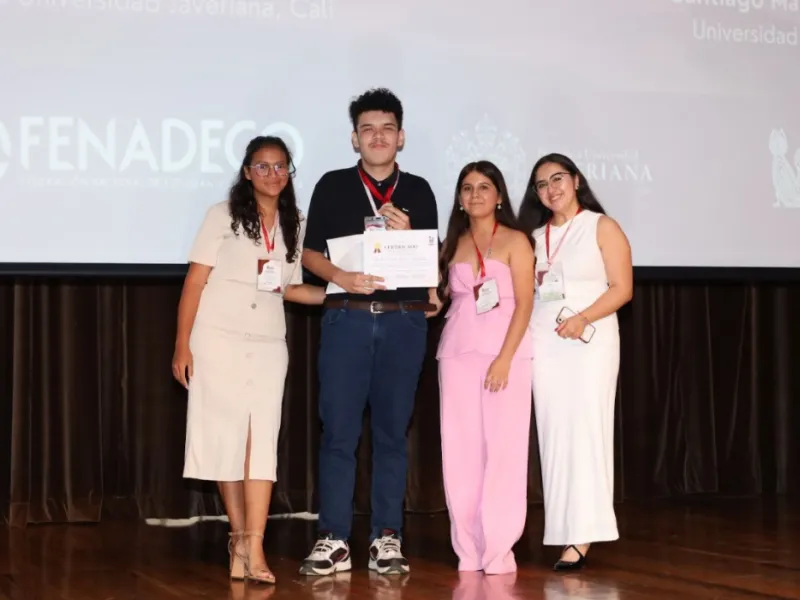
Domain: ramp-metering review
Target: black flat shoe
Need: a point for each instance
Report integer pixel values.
(575, 565)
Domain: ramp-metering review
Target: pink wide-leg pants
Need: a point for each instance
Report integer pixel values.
(485, 439)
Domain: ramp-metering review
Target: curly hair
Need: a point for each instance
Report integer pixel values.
(242, 201)
(379, 99)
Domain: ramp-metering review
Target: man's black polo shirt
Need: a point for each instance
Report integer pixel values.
(339, 205)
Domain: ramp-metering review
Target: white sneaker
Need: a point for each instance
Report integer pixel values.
(385, 555)
(328, 556)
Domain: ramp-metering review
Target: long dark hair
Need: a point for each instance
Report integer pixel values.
(533, 214)
(242, 200)
(459, 220)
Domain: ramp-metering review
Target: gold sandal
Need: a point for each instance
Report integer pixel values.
(237, 561)
(261, 574)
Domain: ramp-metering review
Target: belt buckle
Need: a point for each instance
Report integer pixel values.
(376, 308)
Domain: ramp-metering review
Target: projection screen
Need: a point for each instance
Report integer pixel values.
(121, 121)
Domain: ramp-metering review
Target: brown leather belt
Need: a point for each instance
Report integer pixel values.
(380, 307)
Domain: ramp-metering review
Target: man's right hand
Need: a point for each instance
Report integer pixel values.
(358, 283)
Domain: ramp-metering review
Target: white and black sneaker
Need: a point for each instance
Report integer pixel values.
(328, 556)
(385, 555)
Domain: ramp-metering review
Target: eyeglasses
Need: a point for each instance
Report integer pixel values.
(555, 179)
(280, 169)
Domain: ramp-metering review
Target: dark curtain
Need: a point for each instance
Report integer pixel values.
(92, 423)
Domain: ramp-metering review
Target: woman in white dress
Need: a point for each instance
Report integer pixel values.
(230, 348)
(583, 276)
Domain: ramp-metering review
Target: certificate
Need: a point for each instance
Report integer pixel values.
(404, 258)
(347, 254)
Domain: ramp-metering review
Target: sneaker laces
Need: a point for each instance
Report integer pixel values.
(322, 548)
(389, 546)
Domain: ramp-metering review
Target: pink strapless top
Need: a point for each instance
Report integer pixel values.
(465, 330)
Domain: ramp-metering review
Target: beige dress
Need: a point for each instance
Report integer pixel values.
(238, 344)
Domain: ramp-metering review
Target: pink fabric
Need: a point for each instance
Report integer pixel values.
(485, 460)
(485, 434)
(466, 331)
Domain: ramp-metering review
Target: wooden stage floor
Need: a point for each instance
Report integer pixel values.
(721, 549)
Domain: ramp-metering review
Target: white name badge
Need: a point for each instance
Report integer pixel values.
(374, 223)
(487, 296)
(550, 284)
(269, 275)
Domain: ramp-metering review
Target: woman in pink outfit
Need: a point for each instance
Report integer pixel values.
(484, 358)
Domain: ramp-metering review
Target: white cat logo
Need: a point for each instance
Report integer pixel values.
(785, 176)
(487, 143)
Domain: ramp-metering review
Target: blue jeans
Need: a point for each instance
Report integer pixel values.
(375, 358)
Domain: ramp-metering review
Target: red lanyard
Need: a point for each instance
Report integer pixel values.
(561, 241)
(481, 264)
(269, 244)
(384, 199)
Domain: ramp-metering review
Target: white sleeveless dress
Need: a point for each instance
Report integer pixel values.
(574, 389)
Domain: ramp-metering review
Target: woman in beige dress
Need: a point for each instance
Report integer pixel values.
(230, 349)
